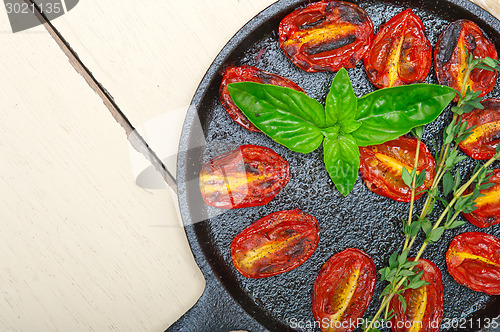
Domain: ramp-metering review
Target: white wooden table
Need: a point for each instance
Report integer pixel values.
(82, 246)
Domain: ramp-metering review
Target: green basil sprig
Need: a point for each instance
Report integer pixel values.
(340, 149)
(301, 123)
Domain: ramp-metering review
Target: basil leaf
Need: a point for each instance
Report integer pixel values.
(289, 117)
(341, 156)
(341, 102)
(349, 126)
(388, 113)
(331, 132)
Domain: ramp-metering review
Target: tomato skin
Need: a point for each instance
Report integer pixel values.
(487, 212)
(281, 242)
(451, 61)
(248, 176)
(473, 260)
(248, 74)
(353, 272)
(400, 53)
(428, 317)
(384, 180)
(481, 145)
(326, 36)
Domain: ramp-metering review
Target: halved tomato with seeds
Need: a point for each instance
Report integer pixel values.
(275, 244)
(473, 260)
(382, 167)
(485, 137)
(487, 212)
(343, 290)
(400, 53)
(248, 176)
(424, 311)
(451, 61)
(248, 74)
(326, 35)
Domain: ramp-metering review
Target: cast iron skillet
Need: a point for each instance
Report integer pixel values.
(362, 220)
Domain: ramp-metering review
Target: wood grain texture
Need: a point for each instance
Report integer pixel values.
(79, 241)
(134, 137)
(82, 246)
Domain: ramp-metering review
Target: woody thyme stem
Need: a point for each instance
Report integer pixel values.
(413, 189)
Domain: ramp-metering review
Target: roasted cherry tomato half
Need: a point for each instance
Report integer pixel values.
(451, 61)
(424, 311)
(343, 290)
(485, 137)
(487, 212)
(473, 260)
(248, 74)
(382, 167)
(248, 176)
(400, 53)
(326, 35)
(275, 244)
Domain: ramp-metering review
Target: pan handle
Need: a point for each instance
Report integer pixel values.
(216, 310)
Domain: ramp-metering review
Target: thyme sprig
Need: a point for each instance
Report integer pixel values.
(400, 273)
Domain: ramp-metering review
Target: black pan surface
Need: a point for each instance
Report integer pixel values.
(362, 220)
